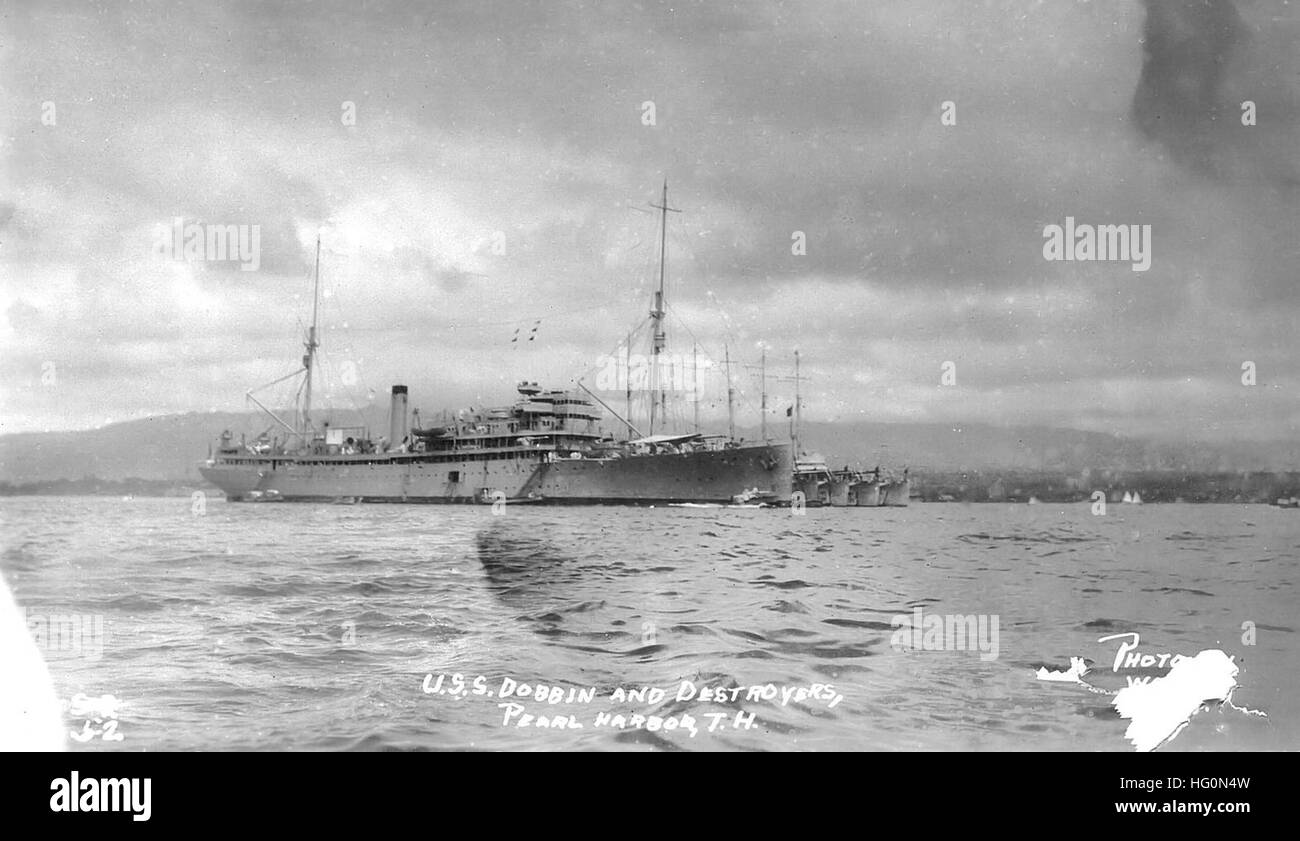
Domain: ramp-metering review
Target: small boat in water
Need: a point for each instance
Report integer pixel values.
(752, 498)
(490, 496)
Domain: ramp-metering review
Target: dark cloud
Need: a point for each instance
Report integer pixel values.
(1187, 48)
(1203, 66)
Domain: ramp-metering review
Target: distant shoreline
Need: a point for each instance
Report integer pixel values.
(91, 486)
(974, 486)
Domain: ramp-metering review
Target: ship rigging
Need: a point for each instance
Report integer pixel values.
(547, 446)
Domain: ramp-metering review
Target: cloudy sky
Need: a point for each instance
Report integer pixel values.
(478, 167)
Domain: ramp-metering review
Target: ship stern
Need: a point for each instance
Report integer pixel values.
(235, 481)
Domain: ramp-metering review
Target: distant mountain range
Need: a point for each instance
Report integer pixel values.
(170, 447)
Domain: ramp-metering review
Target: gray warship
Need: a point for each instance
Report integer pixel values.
(548, 446)
(846, 487)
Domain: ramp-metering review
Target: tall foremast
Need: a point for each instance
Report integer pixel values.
(301, 428)
(660, 340)
(309, 358)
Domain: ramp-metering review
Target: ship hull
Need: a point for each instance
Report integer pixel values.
(703, 476)
(896, 494)
(810, 487)
(708, 476)
(866, 494)
(236, 482)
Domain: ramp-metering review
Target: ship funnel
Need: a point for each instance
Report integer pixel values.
(397, 418)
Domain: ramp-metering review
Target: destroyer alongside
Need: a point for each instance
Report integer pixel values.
(822, 486)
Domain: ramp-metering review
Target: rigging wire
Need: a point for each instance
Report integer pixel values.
(710, 355)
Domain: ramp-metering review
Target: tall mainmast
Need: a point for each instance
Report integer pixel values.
(627, 369)
(731, 396)
(795, 412)
(660, 340)
(798, 403)
(695, 384)
(311, 344)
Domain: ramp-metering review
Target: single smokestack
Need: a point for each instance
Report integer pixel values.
(397, 418)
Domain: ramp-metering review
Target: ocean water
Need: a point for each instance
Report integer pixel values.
(326, 627)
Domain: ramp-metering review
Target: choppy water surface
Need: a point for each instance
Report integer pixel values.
(301, 627)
